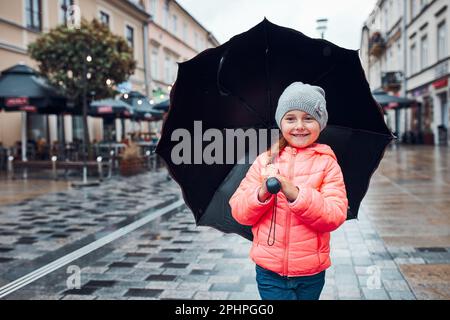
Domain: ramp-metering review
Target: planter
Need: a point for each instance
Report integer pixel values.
(130, 167)
(377, 50)
(428, 138)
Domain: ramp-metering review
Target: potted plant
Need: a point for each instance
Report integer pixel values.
(132, 163)
(428, 136)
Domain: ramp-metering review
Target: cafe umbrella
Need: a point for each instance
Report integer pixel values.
(24, 89)
(142, 108)
(111, 109)
(163, 106)
(237, 86)
(389, 101)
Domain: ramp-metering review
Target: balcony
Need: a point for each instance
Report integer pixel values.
(377, 45)
(392, 81)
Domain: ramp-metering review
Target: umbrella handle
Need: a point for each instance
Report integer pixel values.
(273, 185)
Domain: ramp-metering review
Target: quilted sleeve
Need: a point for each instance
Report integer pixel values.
(325, 209)
(245, 205)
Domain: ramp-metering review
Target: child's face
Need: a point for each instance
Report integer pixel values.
(299, 128)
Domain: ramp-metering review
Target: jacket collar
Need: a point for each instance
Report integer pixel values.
(319, 148)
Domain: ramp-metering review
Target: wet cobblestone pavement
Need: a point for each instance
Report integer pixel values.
(398, 249)
(35, 231)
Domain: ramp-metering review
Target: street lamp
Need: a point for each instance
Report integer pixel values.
(321, 26)
(85, 77)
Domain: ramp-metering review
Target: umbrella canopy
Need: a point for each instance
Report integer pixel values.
(110, 108)
(389, 101)
(163, 106)
(23, 89)
(142, 109)
(237, 85)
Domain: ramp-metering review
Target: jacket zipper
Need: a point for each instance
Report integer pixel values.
(318, 246)
(288, 216)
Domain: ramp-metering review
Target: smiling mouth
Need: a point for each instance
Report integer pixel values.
(300, 135)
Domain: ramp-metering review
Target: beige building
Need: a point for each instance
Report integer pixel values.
(405, 51)
(22, 22)
(174, 36)
(161, 33)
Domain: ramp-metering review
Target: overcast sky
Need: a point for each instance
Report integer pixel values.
(226, 18)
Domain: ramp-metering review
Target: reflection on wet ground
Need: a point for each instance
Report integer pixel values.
(398, 249)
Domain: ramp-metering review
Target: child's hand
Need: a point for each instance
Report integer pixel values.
(287, 187)
(266, 172)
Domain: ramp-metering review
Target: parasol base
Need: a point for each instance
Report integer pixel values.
(85, 184)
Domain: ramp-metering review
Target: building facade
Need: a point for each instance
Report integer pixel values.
(174, 36)
(405, 51)
(160, 32)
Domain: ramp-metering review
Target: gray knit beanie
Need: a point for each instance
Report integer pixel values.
(303, 97)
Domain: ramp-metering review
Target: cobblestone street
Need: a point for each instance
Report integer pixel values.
(398, 249)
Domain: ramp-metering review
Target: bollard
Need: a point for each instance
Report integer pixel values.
(110, 168)
(155, 161)
(55, 176)
(100, 169)
(10, 167)
(25, 170)
(147, 154)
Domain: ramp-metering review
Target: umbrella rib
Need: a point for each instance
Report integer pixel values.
(224, 91)
(362, 130)
(269, 92)
(324, 74)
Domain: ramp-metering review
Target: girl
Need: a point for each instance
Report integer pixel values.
(291, 230)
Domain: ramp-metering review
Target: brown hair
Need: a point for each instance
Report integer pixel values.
(276, 148)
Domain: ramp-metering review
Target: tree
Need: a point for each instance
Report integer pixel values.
(62, 55)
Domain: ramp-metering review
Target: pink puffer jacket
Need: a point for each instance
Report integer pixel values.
(302, 233)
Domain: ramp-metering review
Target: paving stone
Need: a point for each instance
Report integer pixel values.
(177, 294)
(375, 294)
(194, 286)
(401, 295)
(138, 292)
(210, 295)
(228, 287)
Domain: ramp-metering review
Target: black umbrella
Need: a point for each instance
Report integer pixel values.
(237, 85)
(110, 108)
(389, 101)
(163, 106)
(142, 109)
(23, 89)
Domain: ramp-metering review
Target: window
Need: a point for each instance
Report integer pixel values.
(423, 3)
(130, 36)
(153, 4)
(154, 64)
(185, 31)
(167, 73)
(174, 21)
(33, 13)
(386, 20)
(413, 9)
(64, 6)
(413, 60)
(166, 15)
(423, 52)
(174, 71)
(399, 55)
(442, 41)
(196, 40)
(104, 18)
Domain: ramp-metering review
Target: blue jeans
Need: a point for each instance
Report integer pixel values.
(272, 286)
